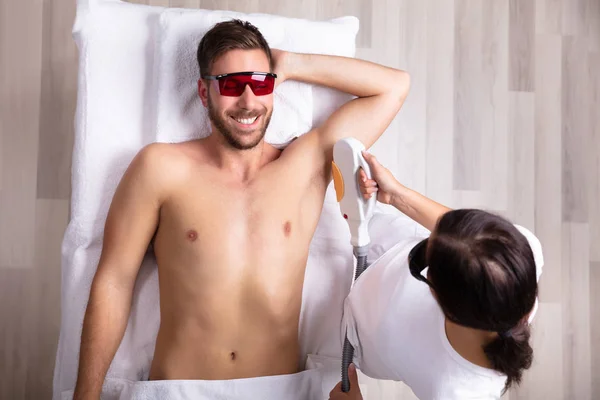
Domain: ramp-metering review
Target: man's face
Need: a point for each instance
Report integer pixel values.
(241, 120)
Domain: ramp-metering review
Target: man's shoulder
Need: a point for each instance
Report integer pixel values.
(167, 160)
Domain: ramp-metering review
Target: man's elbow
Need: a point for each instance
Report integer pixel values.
(115, 280)
(401, 85)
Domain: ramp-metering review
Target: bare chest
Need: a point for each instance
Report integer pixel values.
(249, 220)
(242, 212)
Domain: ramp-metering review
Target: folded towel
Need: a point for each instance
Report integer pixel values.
(182, 116)
(305, 385)
(315, 383)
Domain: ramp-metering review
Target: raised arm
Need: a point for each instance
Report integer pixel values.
(380, 92)
(130, 225)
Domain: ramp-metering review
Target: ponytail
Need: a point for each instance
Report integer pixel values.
(483, 272)
(511, 353)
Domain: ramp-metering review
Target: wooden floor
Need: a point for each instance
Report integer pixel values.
(504, 114)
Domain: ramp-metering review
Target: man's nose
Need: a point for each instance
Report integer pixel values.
(247, 99)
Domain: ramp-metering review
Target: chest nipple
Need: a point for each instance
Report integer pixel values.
(287, 228)
(192, 235)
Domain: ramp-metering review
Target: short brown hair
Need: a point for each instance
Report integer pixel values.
(226, 36)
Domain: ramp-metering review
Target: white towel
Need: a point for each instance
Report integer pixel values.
(305, 385)
(117, 114)
(320, 376)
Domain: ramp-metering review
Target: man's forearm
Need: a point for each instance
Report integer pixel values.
(418, 207)
(103, 328)
(358, 77)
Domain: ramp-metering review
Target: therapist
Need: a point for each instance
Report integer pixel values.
(449, 314)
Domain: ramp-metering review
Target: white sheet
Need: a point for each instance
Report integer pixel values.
(117, 114)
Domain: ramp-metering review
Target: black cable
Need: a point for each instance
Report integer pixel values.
(348, 350)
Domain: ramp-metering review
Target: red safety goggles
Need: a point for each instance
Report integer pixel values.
(234, 84)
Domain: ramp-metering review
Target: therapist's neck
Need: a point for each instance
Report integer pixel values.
(469, 342)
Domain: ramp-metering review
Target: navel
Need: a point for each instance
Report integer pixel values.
(287, 228)
(232, 356)
(192, 235)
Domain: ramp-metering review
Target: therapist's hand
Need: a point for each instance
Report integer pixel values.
(353, 394)
(383, 182)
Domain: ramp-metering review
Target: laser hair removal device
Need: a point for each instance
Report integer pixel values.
(357, 211)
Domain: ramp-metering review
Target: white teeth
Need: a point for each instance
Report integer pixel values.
(246, 121)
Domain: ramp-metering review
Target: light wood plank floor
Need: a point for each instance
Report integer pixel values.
(504, 114)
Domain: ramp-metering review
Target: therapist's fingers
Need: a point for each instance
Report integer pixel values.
(353, 377)
(364, 180)
(362, 175)
(368, 192)
(367, 186)
(336, 391)
(354, 393)
(370, 159)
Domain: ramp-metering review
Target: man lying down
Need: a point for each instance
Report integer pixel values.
(230, 217)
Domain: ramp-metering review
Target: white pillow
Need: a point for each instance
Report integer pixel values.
(181, 115)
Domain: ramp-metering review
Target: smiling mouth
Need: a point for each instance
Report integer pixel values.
(246, 122)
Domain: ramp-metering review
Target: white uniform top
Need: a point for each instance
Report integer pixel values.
(397, 329)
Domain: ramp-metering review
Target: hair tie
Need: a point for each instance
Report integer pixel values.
(505, 335)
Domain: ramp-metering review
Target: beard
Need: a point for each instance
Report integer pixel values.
(237, 138)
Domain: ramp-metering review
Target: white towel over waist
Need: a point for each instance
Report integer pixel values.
(314, 383)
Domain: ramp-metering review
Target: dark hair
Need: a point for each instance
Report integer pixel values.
(226, 36)
(484, 275)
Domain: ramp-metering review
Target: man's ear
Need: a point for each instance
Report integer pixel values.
(203, 92)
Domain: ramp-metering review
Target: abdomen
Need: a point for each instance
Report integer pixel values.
(228, 314)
